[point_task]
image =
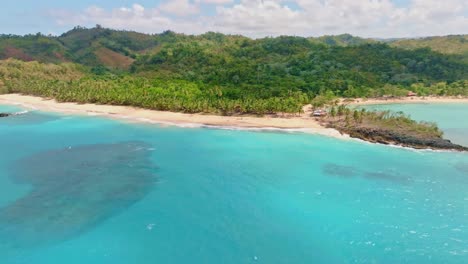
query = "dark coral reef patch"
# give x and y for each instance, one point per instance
(73, 190)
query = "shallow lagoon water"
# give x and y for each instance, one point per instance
(71, 192)
(452, 118)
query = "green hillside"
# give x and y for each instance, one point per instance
(453, 45)
(91, 47)
(343, 40)
(32, 47)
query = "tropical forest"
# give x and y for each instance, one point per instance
(227, 74)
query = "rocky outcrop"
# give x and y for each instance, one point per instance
(387, 137)
(4, 115)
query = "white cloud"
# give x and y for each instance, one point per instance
(432, 17)
(215, 2)
(180, 7)
(135, 18)
(257, 18)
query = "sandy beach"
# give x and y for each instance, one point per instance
(406, 100)
(301, 122)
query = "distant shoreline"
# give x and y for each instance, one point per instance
(302, 123)
(406, 100)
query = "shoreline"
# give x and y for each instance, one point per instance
(406, 100)
(302, 123)
(299, 123)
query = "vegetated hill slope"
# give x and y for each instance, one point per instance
(453, 45)
(91, 47)
(32, 47)
(100, 46)
(343, 64)
(343, 40)
(85, 46)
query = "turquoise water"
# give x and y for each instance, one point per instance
(91, 190)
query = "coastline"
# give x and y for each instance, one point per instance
(302, 123)
(406, 100)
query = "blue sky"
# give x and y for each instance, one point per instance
(255, 18)
(31, 16)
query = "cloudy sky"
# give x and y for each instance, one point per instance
(254, 18)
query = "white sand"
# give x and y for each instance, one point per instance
(301, 122)
(408, 100)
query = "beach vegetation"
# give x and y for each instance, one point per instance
(351, 119)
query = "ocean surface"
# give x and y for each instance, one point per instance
(93, 190)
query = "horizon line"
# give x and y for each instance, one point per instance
(226, 34)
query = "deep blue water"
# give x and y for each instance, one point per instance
(92, 190)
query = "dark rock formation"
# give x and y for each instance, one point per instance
(384, 136)
(4, 115)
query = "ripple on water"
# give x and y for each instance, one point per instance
(385, 175)
(337, 170)
(462, 167)
(27, 118)
(332, 169)
(73, 190)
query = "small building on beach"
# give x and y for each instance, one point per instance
(319, 112)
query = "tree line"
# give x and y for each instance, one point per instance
(74, 83)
